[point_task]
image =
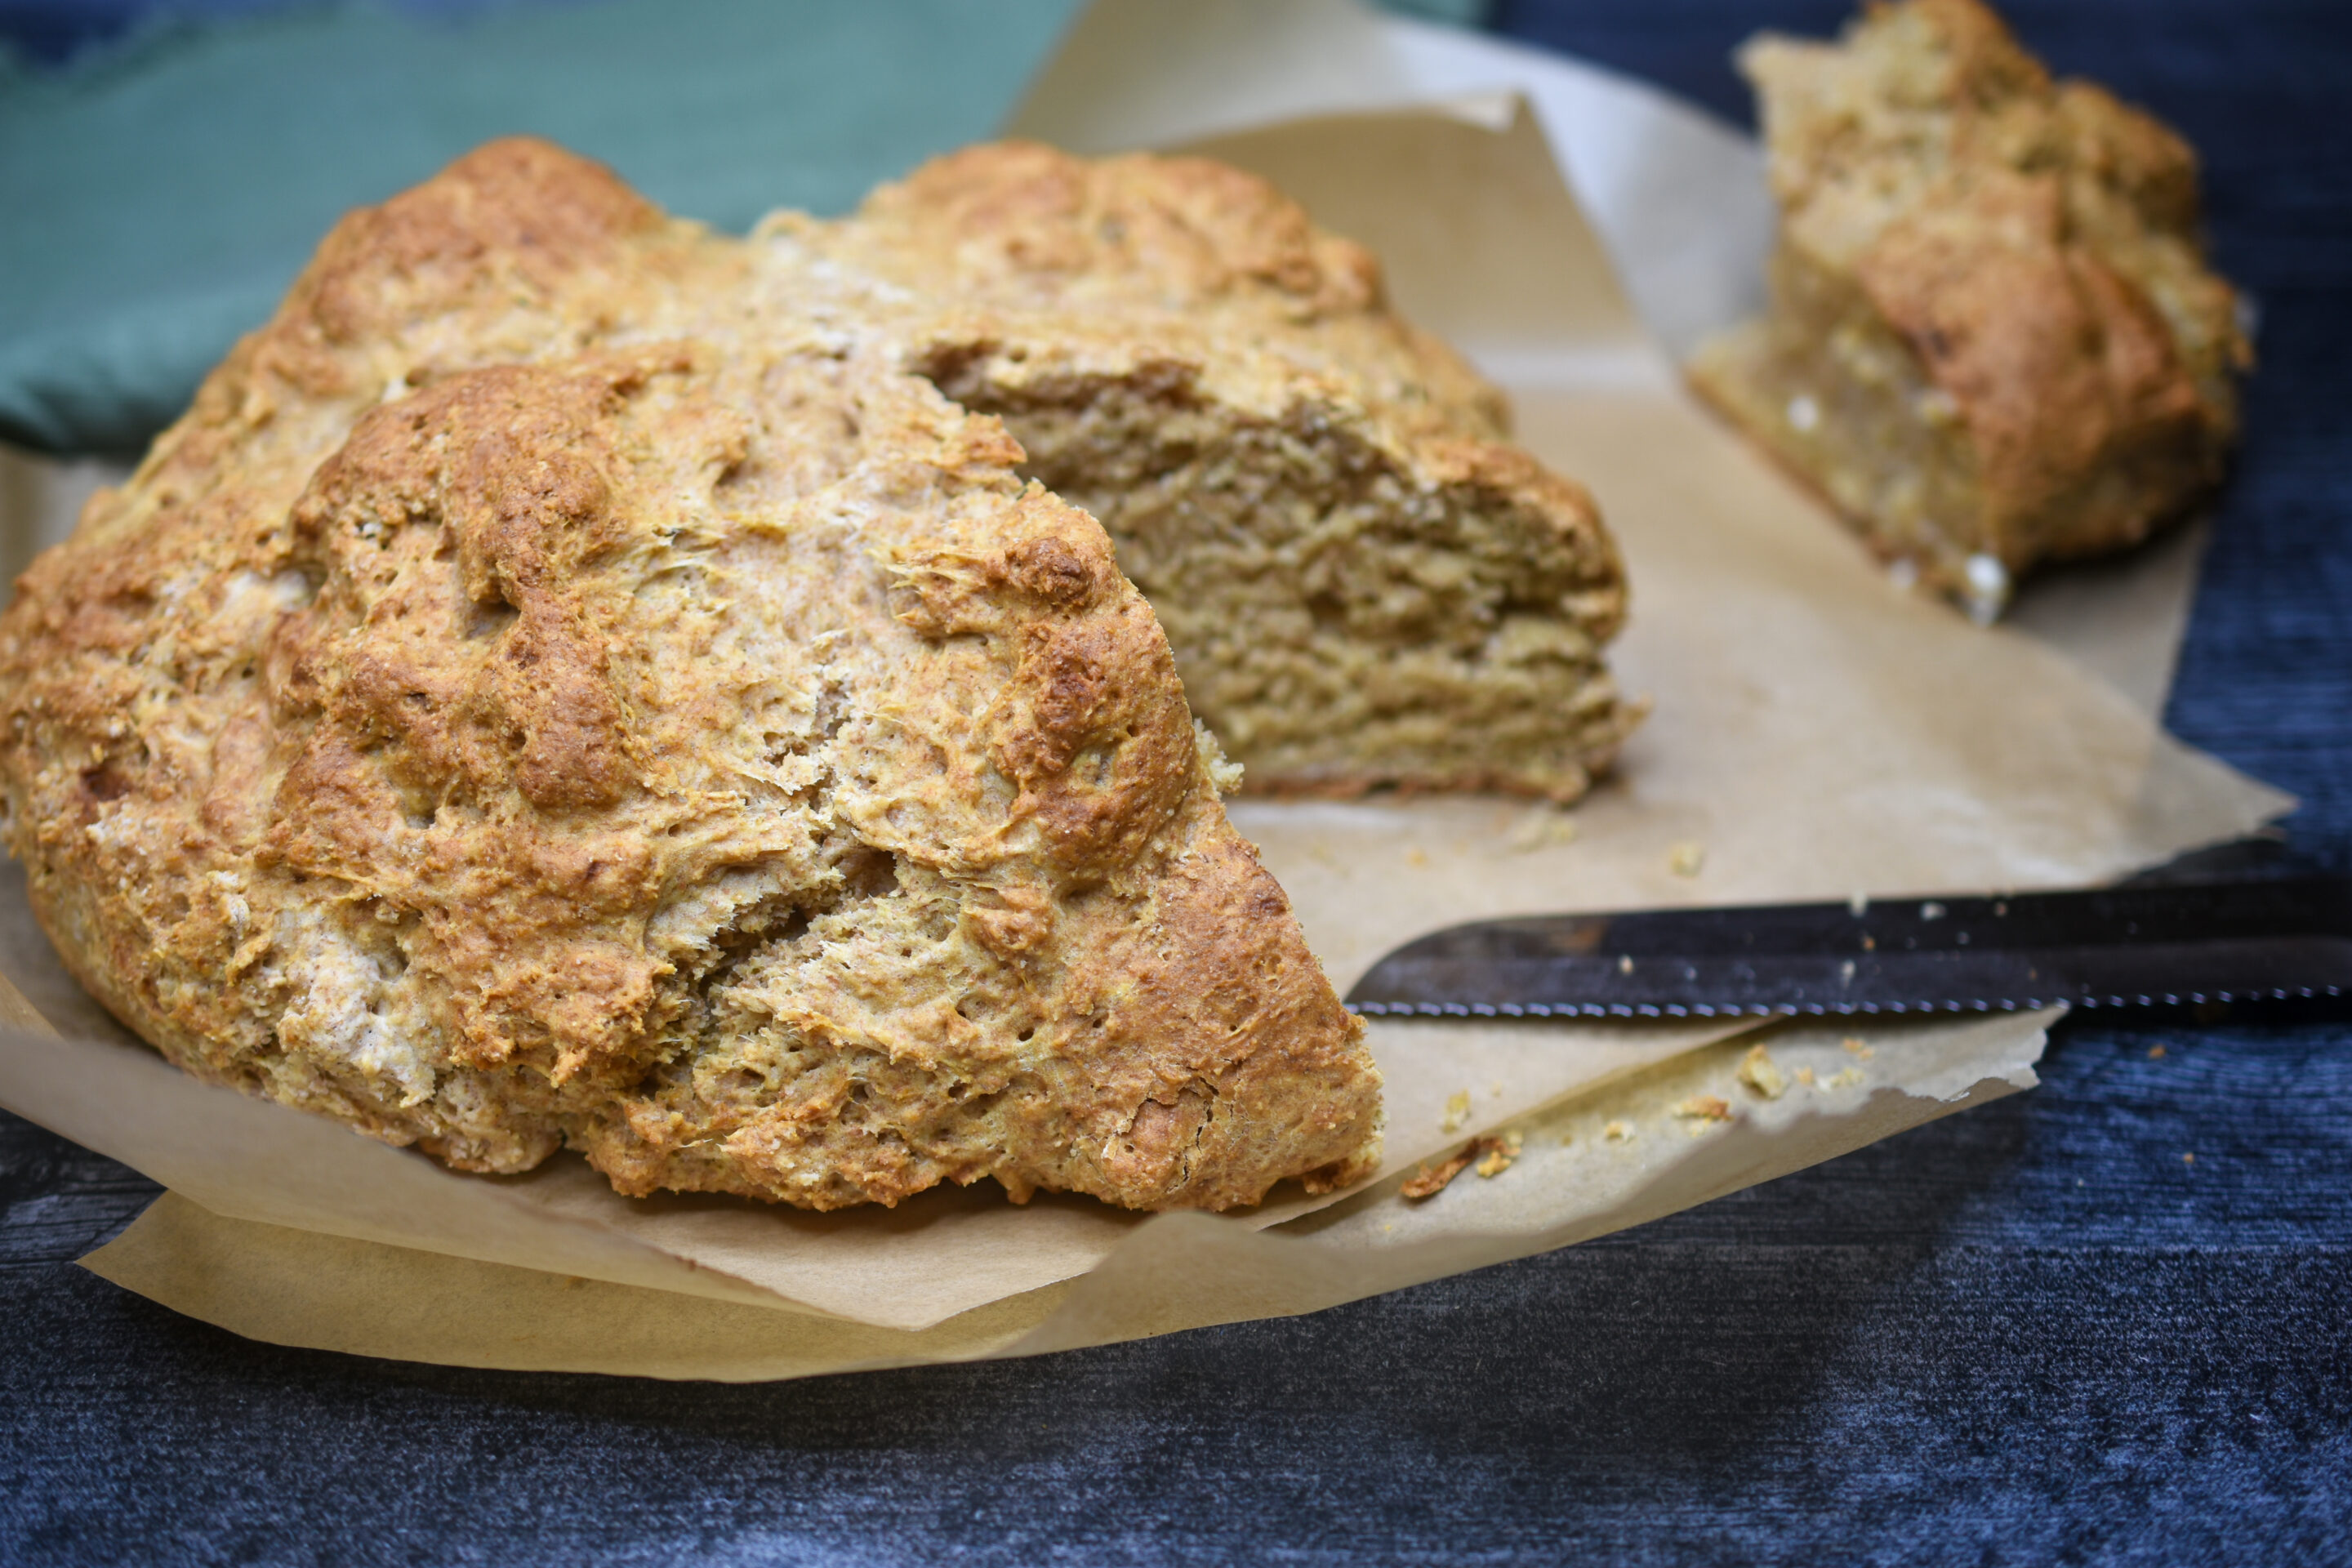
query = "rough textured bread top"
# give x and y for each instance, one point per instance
(1993, 277)
(561, 685)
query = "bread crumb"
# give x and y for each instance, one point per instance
(1759, 1072)
(1224, 775)
(1840, 1080)
(1430, 1180)
(2188, 1159)
(1493, 1156)
(1857, 1047)
(1617, 1132)
(1542, 827)
(1416, 856)
(1498, 1153)
(1805, 1077)
(2156, 1053)
(1685, 858)
(1702, 1111)
(1457, 1111)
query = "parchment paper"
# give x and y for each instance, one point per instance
(1817, 734)
(1628, 1154)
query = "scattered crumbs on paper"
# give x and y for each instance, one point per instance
(1457, 1111)
(1430, 1180)
(1685, 858)
(1497, 1155)
(1493, 1156)
(1856, 1047)
(1759, 1072)
(1541, 827)
(1840, 1080)
(1495, 1090)
(1617, 1132)
(1702, 1111)
(2156, 1053)
(1565, 1138)
(2188, 1159)
(1321, 852)
(1416, 856)
(1389, 1225)
(1805, 1077)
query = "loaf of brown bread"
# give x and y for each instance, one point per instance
(1993, 338)
(567, 681)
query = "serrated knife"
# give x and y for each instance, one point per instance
(2271, 939)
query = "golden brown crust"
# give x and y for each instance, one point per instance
(2058, 362)
(1014, 218)
(532, 700)
(2017, 257)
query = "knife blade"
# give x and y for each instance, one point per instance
(2269, 939)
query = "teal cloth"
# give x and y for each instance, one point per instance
(156, 200)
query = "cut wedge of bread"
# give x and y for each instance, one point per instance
(1993, 338)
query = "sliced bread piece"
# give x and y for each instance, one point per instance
(1993, 338)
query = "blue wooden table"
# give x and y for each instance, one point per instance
(2036, 1332)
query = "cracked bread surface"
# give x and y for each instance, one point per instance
(548, 692)
(1993, 338)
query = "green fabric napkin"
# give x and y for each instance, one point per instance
(155, 202)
